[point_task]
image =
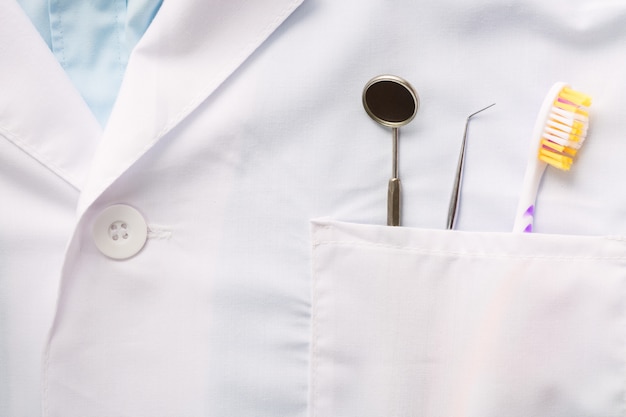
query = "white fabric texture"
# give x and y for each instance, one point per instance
(425, 322)
(236, 123)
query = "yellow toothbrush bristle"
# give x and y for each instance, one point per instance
(575, 97)
(556, 147)
(565, 129)
(556, 159)
(562, 165)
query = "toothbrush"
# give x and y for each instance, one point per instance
(559, 132)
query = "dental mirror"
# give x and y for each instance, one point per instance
(391, 101)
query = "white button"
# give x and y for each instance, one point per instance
(120, 231)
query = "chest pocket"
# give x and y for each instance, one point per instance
(410, 322)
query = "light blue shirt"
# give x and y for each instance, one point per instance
(93, 40)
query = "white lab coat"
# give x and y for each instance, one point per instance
(237, 124)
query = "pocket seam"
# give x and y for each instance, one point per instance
(426, 251)
(314, 393)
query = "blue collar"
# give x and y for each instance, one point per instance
(92, 40)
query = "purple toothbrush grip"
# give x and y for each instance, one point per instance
(530, 212)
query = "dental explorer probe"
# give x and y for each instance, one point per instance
(456, 189)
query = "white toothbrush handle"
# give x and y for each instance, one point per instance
(526, 207)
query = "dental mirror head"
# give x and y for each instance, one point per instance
(390, 100)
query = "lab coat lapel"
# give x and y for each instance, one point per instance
(40, 110)
(191, 47)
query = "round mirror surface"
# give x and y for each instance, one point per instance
(390, 100)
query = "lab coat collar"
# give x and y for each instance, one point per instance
(191, 47)
(40, 110)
